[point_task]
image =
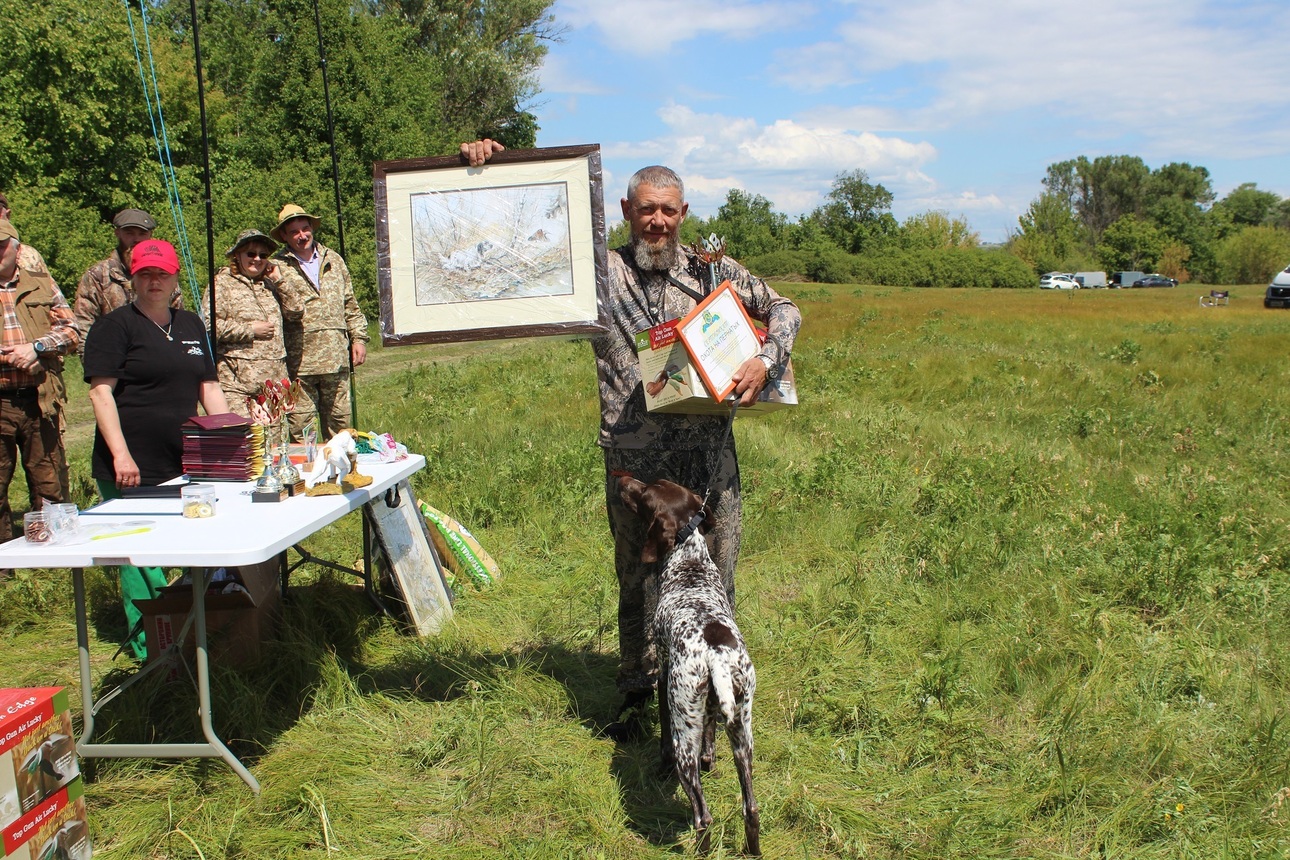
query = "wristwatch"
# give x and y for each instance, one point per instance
(39, 346)
(772, 371)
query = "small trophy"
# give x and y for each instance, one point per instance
(710, 251)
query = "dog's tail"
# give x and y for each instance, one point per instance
(723, 683)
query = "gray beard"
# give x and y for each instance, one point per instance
(651, 258)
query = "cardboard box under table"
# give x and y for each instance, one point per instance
(238, 620)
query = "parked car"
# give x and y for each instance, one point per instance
(1155, 281)
(1278, 294)
(1058, 281)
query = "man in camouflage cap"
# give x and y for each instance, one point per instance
(332, 332)
(106, 285)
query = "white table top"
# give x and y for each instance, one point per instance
(240, 533)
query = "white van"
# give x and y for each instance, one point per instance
(1278, 294)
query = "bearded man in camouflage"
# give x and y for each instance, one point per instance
(692, 450)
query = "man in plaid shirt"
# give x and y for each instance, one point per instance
(36, 334)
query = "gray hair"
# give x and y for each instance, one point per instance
(655, 176)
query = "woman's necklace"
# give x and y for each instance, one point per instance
(168, 327)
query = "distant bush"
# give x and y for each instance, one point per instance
(940, 267)
(778, 264)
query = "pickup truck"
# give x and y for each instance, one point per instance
(1278, 294)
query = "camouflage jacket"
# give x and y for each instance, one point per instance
(104, 288)
(639, 300)
(29, 258)
(318, 342)
(239, 302)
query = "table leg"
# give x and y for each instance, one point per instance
(83, 647)
(213, 748)
(204, 687)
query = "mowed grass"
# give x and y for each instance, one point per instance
(1014, 578)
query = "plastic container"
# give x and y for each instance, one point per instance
(198, 501)
(35, 527)
(64, 522)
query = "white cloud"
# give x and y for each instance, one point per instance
(790, 163)
(558, 76)
(1187, 75)
(651, 27)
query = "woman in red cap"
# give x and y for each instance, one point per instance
(148, 366)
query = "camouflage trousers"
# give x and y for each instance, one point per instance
(637, 581)
(327, 401)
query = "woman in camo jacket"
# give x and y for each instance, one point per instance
(249, 310)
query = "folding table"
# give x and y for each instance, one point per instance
(240, 533)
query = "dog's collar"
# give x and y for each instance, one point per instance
(689, 528)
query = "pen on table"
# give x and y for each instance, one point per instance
(121, 533)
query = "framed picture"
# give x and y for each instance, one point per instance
(515, 248)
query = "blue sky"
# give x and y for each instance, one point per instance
(953, 105)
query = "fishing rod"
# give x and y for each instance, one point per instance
(206, 168)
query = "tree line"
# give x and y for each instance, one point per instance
(1117, 214)
(408, 78)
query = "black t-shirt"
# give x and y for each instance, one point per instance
(157, 389)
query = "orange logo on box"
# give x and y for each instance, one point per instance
(663, 335)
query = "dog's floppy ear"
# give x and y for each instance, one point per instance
(630, 491)
(659, 538)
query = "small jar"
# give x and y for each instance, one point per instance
(35, 527)
(198, 501)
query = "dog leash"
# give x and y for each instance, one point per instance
(683, 534)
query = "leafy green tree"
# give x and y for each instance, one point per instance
(1048, 234)
(857, 216)
(1253, 255)
(935, 229)
(749, 224)
(1130, 244)
(1248, 206)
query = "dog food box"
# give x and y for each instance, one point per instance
(37, 749)
(672, 384)
(56, 827)
(241, 611)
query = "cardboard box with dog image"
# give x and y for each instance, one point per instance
(37, 748)
(57, 827)
(675, 382)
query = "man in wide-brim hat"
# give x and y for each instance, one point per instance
(332, 331)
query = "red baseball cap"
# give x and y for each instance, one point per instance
(154, 254)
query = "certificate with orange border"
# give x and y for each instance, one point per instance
(719, 336)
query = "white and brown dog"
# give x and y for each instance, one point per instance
(335, 460)
(705, 673)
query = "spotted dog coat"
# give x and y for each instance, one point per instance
(705, 672)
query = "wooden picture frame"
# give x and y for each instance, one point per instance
(515, 248)
(719, 336)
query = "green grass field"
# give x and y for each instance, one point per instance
(1014, 578)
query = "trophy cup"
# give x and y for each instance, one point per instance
(710, 251)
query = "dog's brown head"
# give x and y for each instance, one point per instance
(666, 507)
